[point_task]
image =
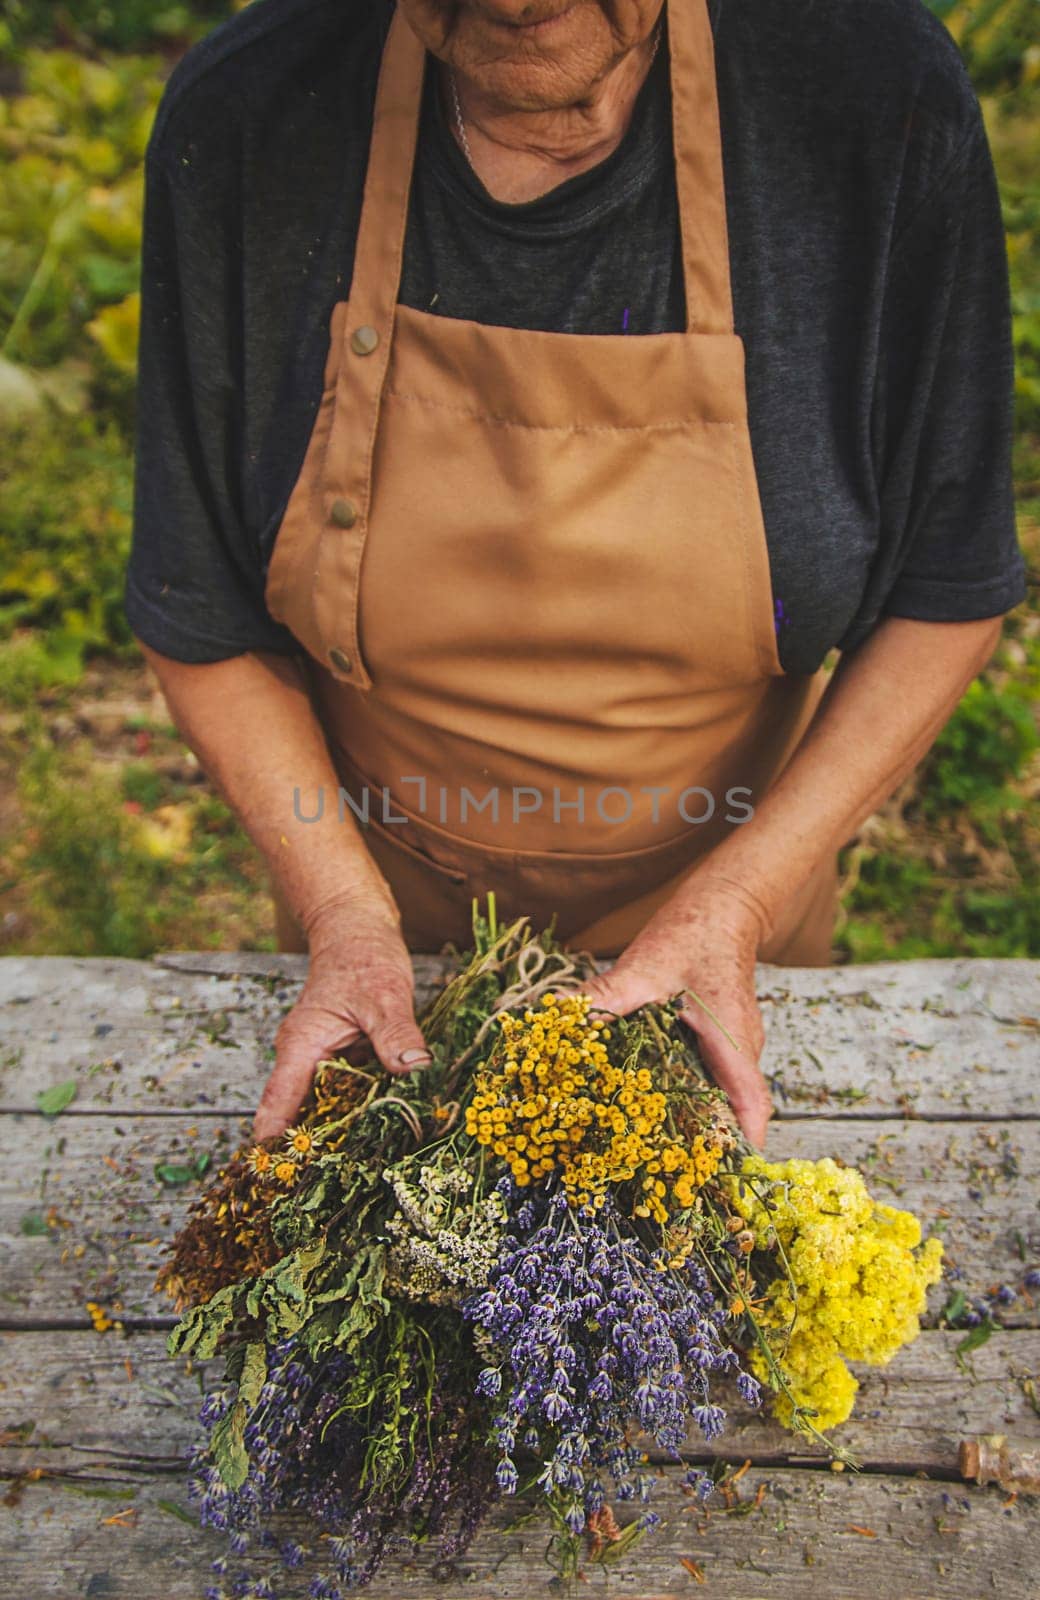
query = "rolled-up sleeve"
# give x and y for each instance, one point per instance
(945, 447)
(194, 584)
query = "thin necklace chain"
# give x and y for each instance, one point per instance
(458, 109)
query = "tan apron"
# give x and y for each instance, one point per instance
(533, 565)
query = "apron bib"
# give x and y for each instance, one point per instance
(530, 574)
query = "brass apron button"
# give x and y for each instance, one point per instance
(340, 660)
(364, 340)
(343, 513)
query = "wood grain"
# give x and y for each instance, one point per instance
(93, 1177)
(938, 1039)
(102, 1403)
(814, 1533)
(922, 1073)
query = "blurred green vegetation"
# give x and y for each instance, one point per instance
(997, 39)
(121, 858)
(110, 845)
(66, 524)
(115, 24)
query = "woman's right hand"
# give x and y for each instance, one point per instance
(360, 984)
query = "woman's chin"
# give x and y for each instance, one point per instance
(525, 82)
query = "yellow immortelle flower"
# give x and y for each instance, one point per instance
(260, 1160)
(299, 1142)
(285, 1171)
(558, 1103)
(859, 1270)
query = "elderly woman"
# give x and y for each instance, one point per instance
(531, 396)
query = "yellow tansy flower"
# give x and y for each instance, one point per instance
(598, 1127)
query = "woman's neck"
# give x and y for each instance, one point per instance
(519, 155)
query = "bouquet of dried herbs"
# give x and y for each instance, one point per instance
(518, 1269)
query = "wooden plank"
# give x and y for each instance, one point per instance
(92, 1178)
(816, 1533)
(429, 969)
(133, 1035)
(976, 1181)
(100, 1404)
(136, 1036)
(940, 1039)
(236, 963)
(937, 1039)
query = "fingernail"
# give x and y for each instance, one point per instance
(409, 1058)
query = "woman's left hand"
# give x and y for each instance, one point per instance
(704, 945)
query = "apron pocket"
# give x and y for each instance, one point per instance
(390, 834)
(576, 887)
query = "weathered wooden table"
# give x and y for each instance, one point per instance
(922, 1073)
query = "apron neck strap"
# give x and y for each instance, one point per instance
(697, 144)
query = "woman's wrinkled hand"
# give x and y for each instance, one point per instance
(360, 984)
(704, 946)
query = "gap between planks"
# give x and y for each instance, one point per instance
(89, 1396)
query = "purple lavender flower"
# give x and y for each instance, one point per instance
(292, 1553)
(590, 1336)
(700, 1482)
(749, 1388)
(307, 1452)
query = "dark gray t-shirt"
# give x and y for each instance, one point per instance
(869, 276)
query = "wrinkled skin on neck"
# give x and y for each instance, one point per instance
(557, 97)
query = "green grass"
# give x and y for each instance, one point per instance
(117, 859)
(92, 891)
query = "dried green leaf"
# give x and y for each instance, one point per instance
(172, 1509)
(199, 1331)
(227, 1442)
(955, 1307)
(18, 1432)
(173, 1176)
(289, 1277)
(97, 1491)
(227, 1446)
(978, 1336)
(54, 1100)
(254, 1373)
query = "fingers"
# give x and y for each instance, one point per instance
(386, 1016)
(620, 991)
(397, 1039)
(313, 1031)
(623, 990)
(736, 1072)
(306, 1037)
